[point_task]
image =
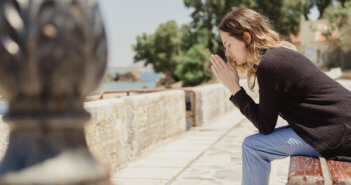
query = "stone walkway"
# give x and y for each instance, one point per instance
(206, 155)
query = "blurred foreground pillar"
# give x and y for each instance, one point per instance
(52, 54)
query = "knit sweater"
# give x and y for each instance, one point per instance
(315, 106)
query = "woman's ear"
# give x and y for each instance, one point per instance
(247, 37)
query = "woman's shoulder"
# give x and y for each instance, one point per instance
(280, 63)
(279, 53)
(277, 58)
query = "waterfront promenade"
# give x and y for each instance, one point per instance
(207, 155)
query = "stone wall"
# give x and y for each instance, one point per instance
(212, 101)
(4, 137)
(122, 130)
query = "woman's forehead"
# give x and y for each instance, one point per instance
(226, 39)
(225, 35)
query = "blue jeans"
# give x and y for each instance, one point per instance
(259, 150)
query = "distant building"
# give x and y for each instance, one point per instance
(134, 72)
(139, 66)
(310, 40)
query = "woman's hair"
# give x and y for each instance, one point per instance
(263, 37)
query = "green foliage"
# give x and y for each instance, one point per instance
(308, 4)
(285, 14)
(339, 21)
(162, 49)
(338, 17)
(321, 6)
(285, 17)
(194, 68)
(183, 52)
(177, 52)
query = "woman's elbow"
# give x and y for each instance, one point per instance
(265, 127)
(266, 132)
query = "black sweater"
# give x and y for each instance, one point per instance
(316, 107)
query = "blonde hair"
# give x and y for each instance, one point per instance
(263, 37)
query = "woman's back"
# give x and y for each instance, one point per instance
(317, 107)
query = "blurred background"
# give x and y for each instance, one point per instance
(161, 42)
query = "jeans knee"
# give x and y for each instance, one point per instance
(249, 142)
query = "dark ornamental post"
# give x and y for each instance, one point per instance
(52, 54)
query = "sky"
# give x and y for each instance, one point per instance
(126, 19)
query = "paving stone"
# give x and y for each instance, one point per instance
(168, 162)
(147, 173)
(184, 148)
(221, 159)
(121, 181)
(228, 174)
(197, 182)
(197, 172)
(174, 154)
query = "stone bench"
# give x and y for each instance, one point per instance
(305, 170)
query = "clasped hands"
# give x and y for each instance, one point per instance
(225, 73)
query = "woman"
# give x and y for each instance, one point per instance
(317, 108)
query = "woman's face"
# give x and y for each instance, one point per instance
(234, 48)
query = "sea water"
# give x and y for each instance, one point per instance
(147, 81)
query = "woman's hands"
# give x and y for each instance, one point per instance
(225, 73)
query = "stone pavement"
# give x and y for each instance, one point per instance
(206, 155)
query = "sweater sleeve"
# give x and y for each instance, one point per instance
(265, 114)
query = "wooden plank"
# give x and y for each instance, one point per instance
(340, 172)
(305, 170)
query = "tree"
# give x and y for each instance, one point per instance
(283, 13)
(177, 52)
(321, 6)
(207, 14)
(183, 52)
(339, 21)
(308, 5)
(162, 49)
(343, 2)
(195, 66)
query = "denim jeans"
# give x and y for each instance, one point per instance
(259, 150)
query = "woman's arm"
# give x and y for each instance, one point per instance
(265, 114)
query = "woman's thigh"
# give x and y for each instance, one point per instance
(281, 143)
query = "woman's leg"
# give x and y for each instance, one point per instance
(259, 150)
